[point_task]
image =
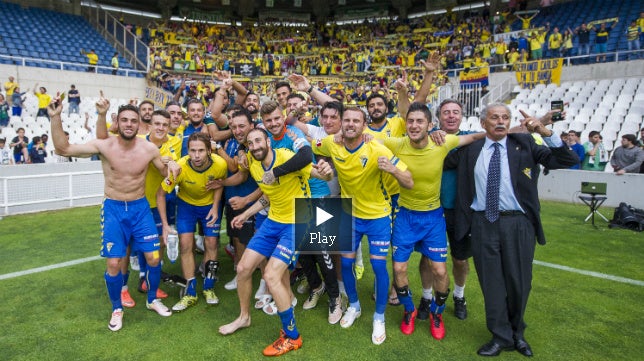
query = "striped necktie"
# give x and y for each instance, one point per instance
(493, 186)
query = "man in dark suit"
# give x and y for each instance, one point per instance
(498, 203)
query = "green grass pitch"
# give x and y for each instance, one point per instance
(62, 314)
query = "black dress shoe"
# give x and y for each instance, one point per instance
(523, 347)
(493, 349)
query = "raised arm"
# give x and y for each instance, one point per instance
(241, 92)
(217, 106)
(177, 94)
(402, 87)
(558, 155)
(102, 106)
(432, 65)
(302, 84)
(61, 144)
(86, 125)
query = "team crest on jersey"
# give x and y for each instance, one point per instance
(528, 172)
(318, 142)
(388, 133)
(363, 160)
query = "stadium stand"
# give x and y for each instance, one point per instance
(611, 106)
(46, 38)
(573, 13)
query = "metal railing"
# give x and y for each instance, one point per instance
(497, 93)
(125, 42)
(611, 57)
(40, 192)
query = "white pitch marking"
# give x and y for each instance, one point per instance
(48, 268)
(57, 265)
(590, 273)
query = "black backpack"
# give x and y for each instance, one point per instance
(628, 217)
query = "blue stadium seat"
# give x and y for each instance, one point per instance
(30, 37)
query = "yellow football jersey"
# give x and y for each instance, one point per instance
(192, 183)
(285, 189)
(175, 143)
(393, 127)
(179, 132)
(359, 175)
(426, 166)
(153, 178)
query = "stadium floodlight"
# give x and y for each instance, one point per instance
(472, 6)
(121, 10)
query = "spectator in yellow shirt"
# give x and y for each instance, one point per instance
(513, 57)
(525, 21)
(535, 46)
(9, 88)
(567, 43)
(500, 49)
(92, 59)
(43, 101)
(555, 41)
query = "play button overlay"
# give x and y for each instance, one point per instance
(321, 216)
(323, 225)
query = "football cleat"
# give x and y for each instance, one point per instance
(349, 317)
(408, 322)
(211, 297)
(303, 287)
(460, 308)
(185, 302)
(283, 345)
(335, 310)
(116, 322)
(232, 285)
(378, 335)
(436, 326)
(423, 308)
(159, 308)
(313, 298)
(126, 299)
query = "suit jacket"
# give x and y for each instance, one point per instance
(524, 155)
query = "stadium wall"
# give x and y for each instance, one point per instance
(565, 186)
(88, 84)
(41, 187)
